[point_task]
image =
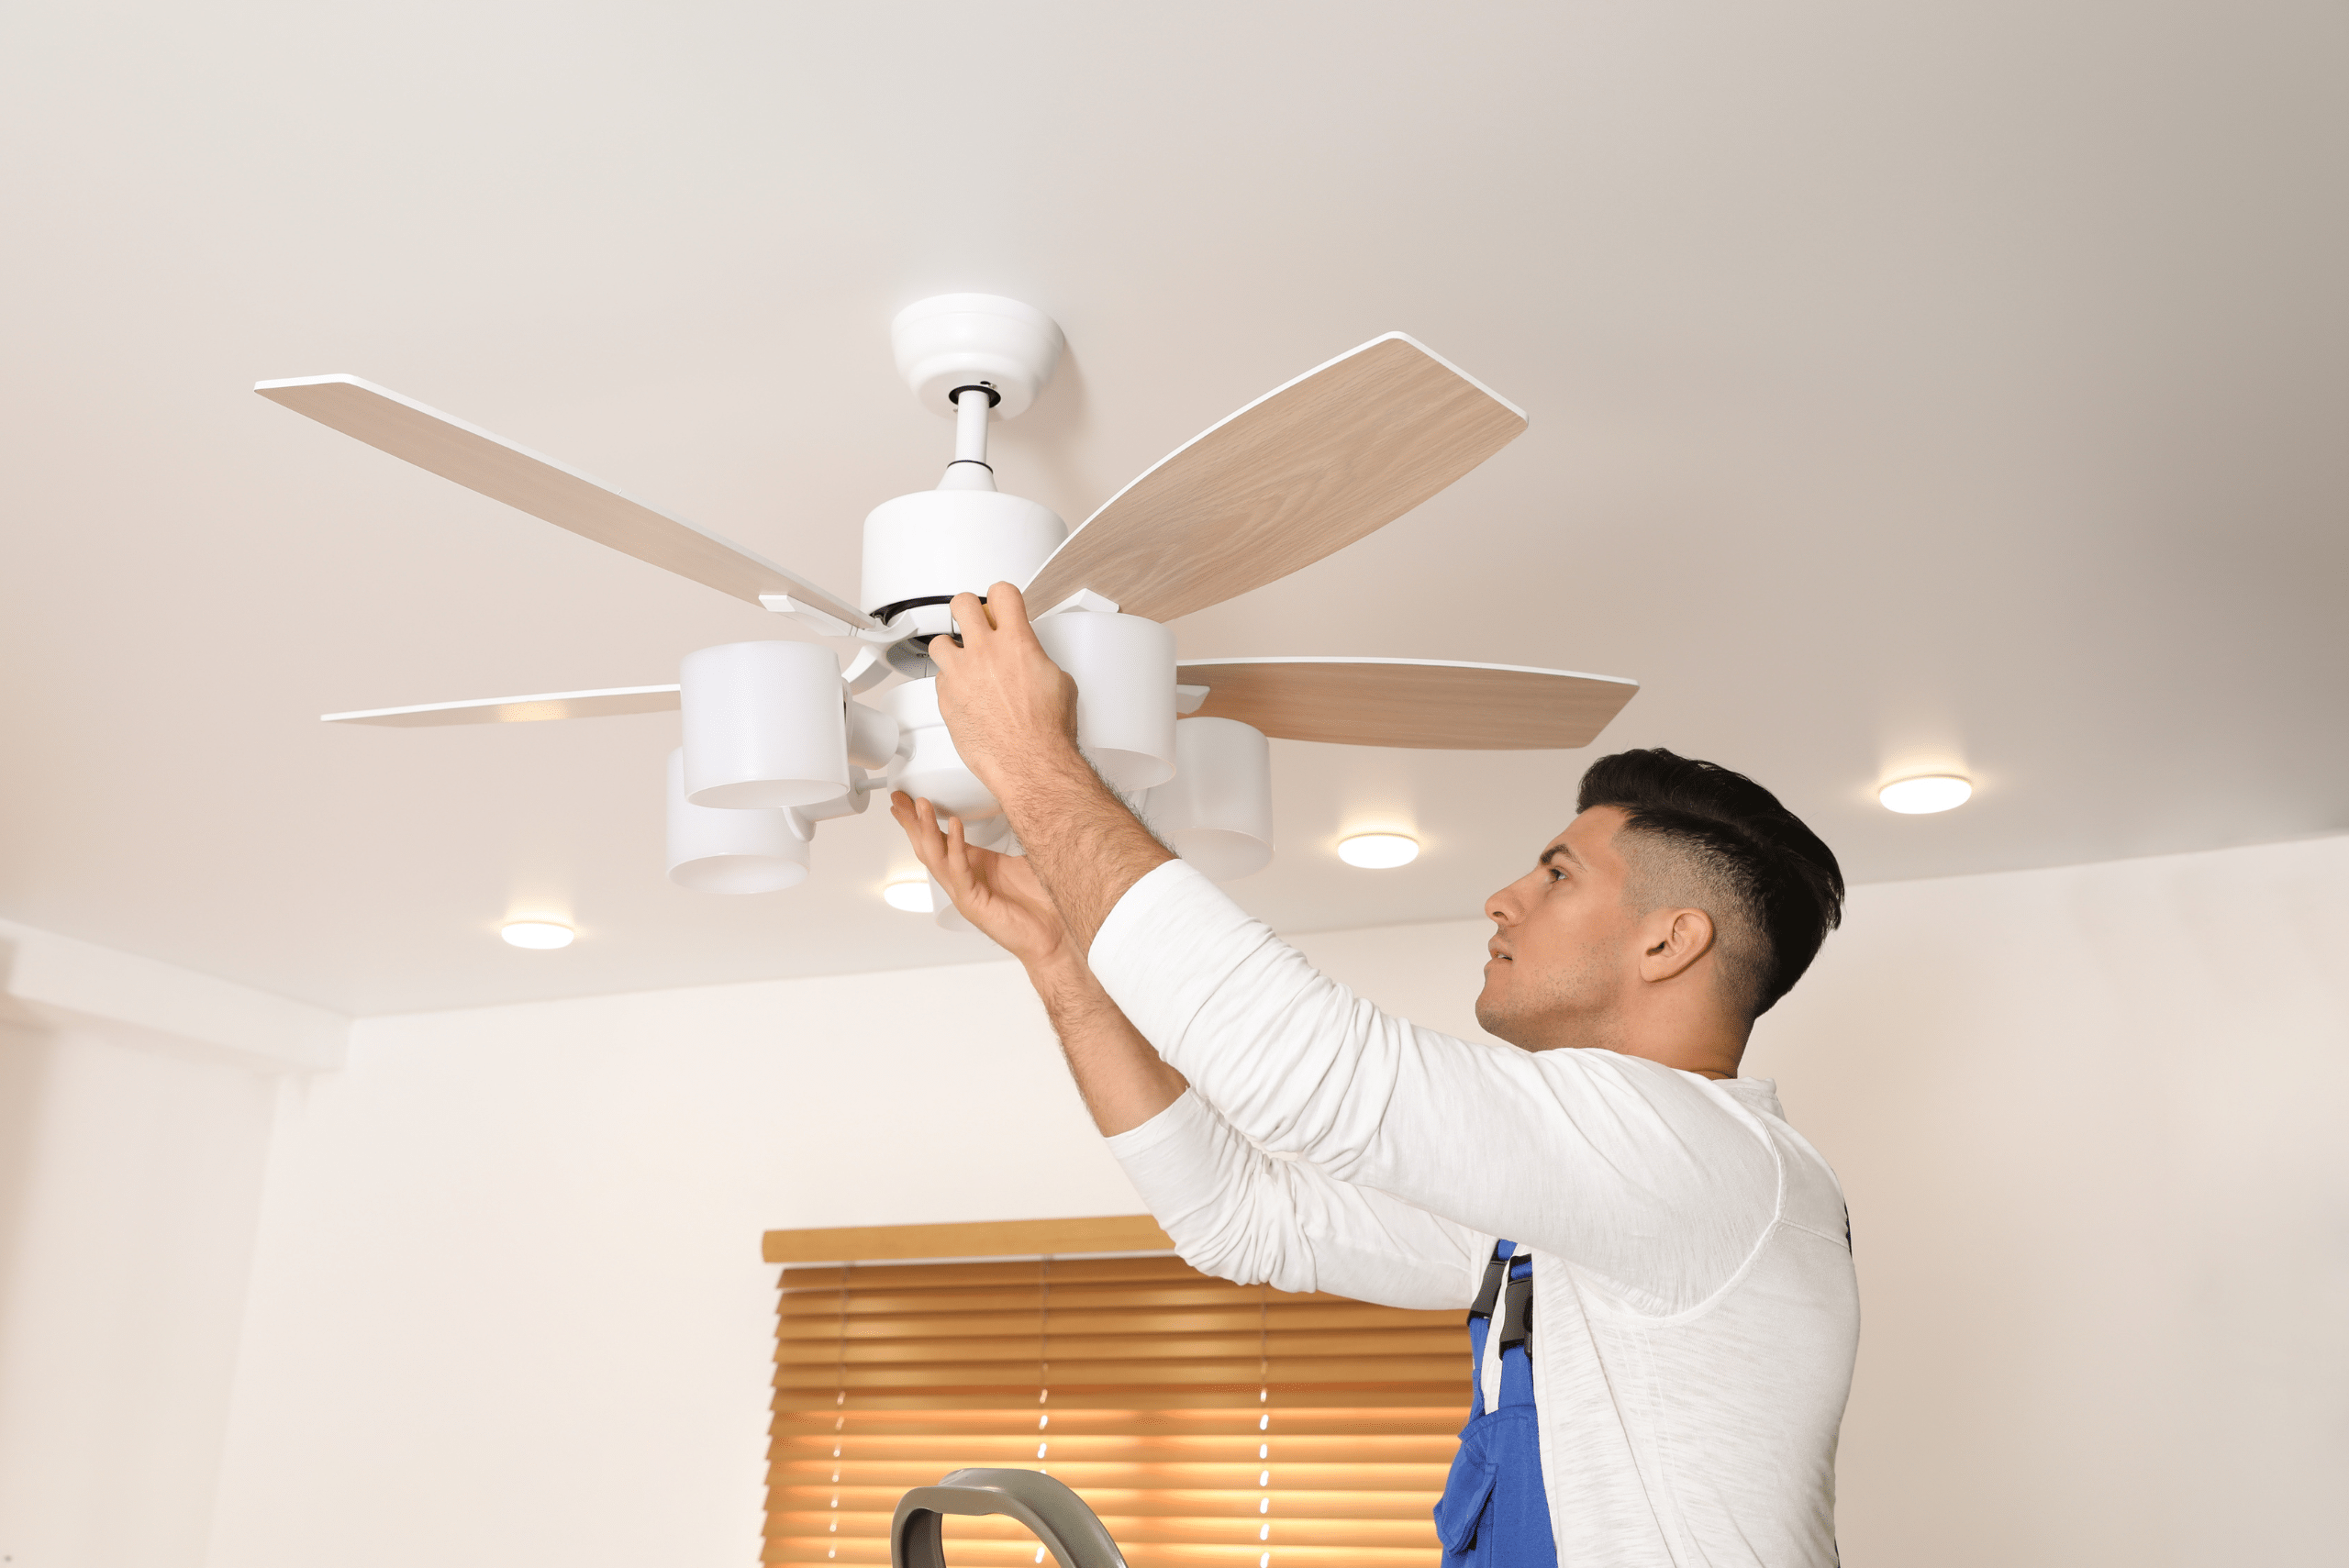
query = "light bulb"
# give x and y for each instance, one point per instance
(536, 934)
(913, 897)
(1915, 797)
(1378, 851)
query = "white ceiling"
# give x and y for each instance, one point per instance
(1912, 386)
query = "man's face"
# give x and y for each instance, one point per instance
(1564, 946)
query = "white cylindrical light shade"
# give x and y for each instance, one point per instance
(1217, 811)
(1124, 670)
(1378, 851)
(927, 765)
(1917, 797)
(763, 725)
(713, 849)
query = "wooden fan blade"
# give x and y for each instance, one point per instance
(1421, 703)
(520, 710)
(1305, 470)
(544, 488)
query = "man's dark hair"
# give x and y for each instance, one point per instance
(1726, 839)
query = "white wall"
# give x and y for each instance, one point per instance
(509, 1305)
(136, 1103)
(2090, 1124)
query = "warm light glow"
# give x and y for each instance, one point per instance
(536, 934)
(913, 897)
(1378, 851)
(1914, 797)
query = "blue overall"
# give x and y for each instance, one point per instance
(1495, 1512)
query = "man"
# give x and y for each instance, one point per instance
(1659, 1267)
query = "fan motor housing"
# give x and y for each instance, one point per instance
(934, 544)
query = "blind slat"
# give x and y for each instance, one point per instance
(1232, 1370)
(1163, 1443)
(1131, 1528)
(877, 1405)
(1229, 1318)
(1236, 1473)
(1013, 1553)
(1237, 1505)
(939, 1343)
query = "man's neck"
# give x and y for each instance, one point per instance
(1709, 1052)
(1678, 1061)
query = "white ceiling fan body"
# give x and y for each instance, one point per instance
(777, 737)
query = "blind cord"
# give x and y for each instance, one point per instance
(1044, 1362)
(1265, 1417)
(839, 1418)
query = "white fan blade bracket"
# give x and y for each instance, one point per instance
(1304, 470)
(519, 710)
(1427, 703)
(545, 489)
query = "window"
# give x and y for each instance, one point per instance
(1210, 1424)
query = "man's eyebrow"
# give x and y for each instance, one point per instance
(1556, 850)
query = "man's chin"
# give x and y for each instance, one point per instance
(1491, 1015)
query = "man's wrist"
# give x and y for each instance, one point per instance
(1060, 970)
(1047, 765)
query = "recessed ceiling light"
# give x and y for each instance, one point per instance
(536, 934)
(1378, 851)
(913, 897)
(1915, 797)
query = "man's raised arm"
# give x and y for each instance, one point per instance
(1232, 1211)
(1576, 1152)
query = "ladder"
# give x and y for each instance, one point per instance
(1071, 1531)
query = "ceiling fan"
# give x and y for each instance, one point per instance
(775, 739)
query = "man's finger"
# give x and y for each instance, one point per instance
(955, 872)
(970, 614)
(901, 807)
(1008, 608)
(930, 845)
(957, 854)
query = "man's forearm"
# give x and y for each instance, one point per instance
(1086, 846)
(1123, 1081)
(1012, 713)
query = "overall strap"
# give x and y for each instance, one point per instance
(1507, 1290)
(1517, 1314)
(1489, 1293)
(1495, 1511)
(1480, 1324)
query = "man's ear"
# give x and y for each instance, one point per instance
(1671, 940)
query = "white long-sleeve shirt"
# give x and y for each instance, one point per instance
(1695, 1312)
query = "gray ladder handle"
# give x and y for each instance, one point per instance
(1071, 1531)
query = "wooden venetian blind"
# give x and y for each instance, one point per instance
(1210, 1424)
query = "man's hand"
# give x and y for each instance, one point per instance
(1012, 713)
(1122, 1079)
(998, 894)
(1011, 710)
